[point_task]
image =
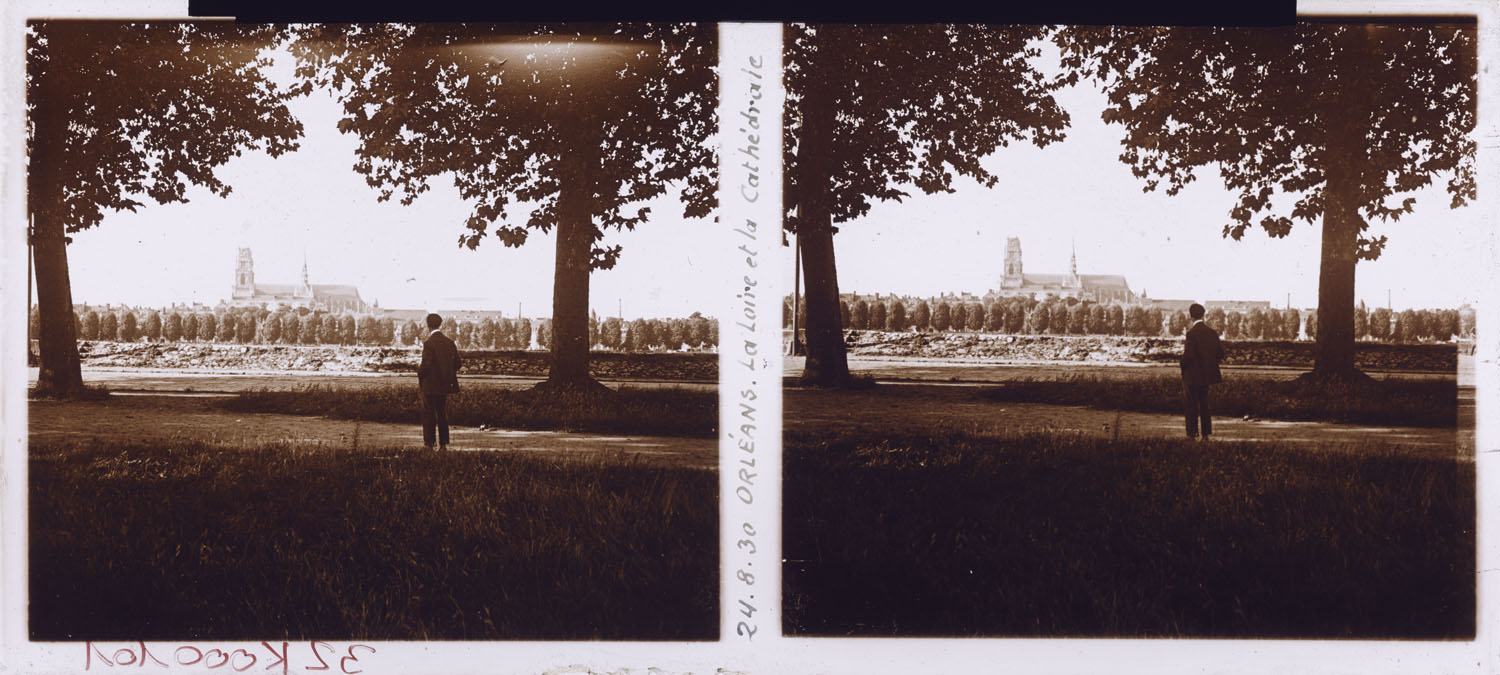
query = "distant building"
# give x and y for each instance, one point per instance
(1240, 306)
(1015, 282)
(324, 297)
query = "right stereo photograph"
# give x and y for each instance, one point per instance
(1138, 332)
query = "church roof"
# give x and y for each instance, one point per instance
(334, 291)
(1045, 279)
(1104, 281)
(276, 289)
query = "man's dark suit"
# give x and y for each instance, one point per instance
(1201, 353)
(437, 377)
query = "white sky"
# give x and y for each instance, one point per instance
(404, 256)
(1170, 247)
(1074, 192)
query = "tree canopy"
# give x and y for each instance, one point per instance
(875, 111)
(1319, 121)
(121, 112)
(580, 125)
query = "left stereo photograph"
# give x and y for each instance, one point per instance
(377, 332)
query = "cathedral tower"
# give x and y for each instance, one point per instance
(244, 276)
(1013, 278)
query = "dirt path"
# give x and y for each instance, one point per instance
(907, 407)
(951, 370)
(164, 417)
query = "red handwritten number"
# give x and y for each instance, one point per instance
(178, 655)
(344, 662)
(318, 657)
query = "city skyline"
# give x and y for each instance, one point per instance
(1077, 193)
(404, 256)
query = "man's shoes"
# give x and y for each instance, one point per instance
(443, 447)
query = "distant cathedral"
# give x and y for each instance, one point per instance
(1096, 287)
(325, 297)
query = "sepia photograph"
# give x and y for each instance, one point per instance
(371, 331)
(1131, 331)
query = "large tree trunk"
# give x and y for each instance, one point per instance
(570, 287)
(57, 343)
(1344, 171)
(61, 374)
(1334, 353)
(827, 362)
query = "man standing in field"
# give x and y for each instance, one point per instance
(1201, 353)
(437, 377)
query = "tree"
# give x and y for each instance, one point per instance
(208, 328)
(1077, 317)
(1361, 322)
(802, 313)
(90, 326)
(409, 334)
(1039, 319)
(639, 337)
(271, 328)
(1135, 320)
(1155, 322)
(569, 120)
(1093, 323)
(109, 327)
(244, 328)
(942, 317)
(1214, 318)
(1272, 326)
(1057, 318)
(1254, 325)
(1234, 326)
(486, 334)
(312, 329)
(958, 316)
(974, 315)
(786, 314)
(118, 112)
(611, 332)
(921, 318)
(1466, 321)
(859, 315)
(856, 134)
(1380, 323)
(1015, 317)
(1177, 323)
(151, 327)
(1114, 320)
(895, 319)
(994, 317)
(523, 335)
(129, 329)
(1311, 325)
(1291, 324)
(1340, 119)
(877, 315)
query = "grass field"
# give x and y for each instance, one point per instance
(949, 533)
(1418, 403)
(656, 411)
(132, 541)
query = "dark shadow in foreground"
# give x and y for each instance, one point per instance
(131, 541)
(1051, 535)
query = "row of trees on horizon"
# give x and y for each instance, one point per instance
(1070, 316)
(1232, 102)
(260, 326)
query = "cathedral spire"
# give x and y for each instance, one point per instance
(1073, 262)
